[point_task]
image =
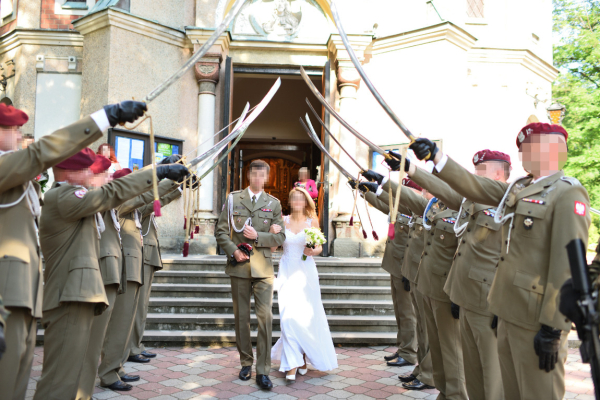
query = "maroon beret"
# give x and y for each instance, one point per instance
(84, 159)
(10, 116)
(100, 165)
(409, 183)
(121, 173)
(540, 128)
(489, 155)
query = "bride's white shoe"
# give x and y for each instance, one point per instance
(291, 377)
(302, 371)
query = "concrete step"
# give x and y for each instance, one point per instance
(186, 305)
(213, 322)
(224, 291)
(325, 278)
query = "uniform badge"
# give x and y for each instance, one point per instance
(239, 220)
(528, 223)
(475, 158)
(266, 210)
(521, 137)
(80, 193)
(580, 208)
(266, 222)
(534, 201)
(442, 237)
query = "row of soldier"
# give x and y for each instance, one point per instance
(100, 247)
(477, 266)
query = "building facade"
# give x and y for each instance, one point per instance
(468, 73)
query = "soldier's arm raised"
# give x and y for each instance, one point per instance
(408, 198)
(164, 187)
(267, 239)
(376, 202)
(438, 188)
(222, 231)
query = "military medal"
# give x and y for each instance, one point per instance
(239, 220)
(534, 201)
(266, 222)
(528, 223)
(442, 237)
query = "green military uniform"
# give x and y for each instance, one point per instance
(468, 285)
(152, 263)
(392, 263)
(543, 217)
(443, 330)
(20, 262)
(254, 276)
(70, 231)
(115, 348)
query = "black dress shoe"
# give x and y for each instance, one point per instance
(119, 386)
(416, 385)
(400, 362)
(138, 359)
(246, 372)
(130, 378)
(264, 382)
(147, 354)
(391, 357)
(408, 377)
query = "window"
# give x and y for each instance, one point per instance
(475, 8)
(133, 148)
(75, 5)
(6, 8)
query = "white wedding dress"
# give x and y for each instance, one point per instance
(304, 328)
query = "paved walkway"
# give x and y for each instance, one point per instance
(212, 373)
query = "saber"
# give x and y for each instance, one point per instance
(364, 76)
(333, 137)
(595, 211)
(346, 125)
(311, 133)
(235, 10)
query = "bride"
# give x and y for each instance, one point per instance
(305, 336)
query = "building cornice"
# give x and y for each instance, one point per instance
(523, 57)
(199, 36)
(132, 23)
(41, 37)
(445, 31)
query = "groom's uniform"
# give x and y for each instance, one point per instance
(260, 210)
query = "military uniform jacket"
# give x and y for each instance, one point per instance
(479, 247)
(20, 261)
(394, 249)
(266, 212)
(548, 214)
(70, 239)
(111, 258)
(149, 230)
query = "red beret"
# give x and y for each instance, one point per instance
(84, 159)
(540, 128)
(409, 183)
(10, 116)
(489, 155)
(121, 173)
(100, 165)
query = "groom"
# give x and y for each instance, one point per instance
(246, 218)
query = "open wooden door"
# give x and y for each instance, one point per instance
(324, 178)
(224, 168)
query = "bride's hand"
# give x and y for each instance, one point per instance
(275, 229)
(312, 252)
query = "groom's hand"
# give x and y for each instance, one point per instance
(250, 232)
(240, 256)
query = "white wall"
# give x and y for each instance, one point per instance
(58, 98)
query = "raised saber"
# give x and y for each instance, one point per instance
(311, 133)
(337, 116)
(333, 137)
(595, 211)
(235, 10)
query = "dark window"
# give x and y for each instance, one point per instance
(475, 8)
(133, 148)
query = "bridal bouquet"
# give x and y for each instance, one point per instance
(314, 237)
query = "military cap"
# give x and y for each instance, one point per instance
(121, 173)
(540, 128)
(10, 116)
(100, 165)
(411, 184)
(84, 159)
(490, 155)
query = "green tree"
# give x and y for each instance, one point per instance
(577, 56)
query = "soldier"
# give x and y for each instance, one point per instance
(246, 217)
(544, 210)
(21, 265)
(406, 354)
(473, 271)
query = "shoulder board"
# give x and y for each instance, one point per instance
(273, 197)
(236, 191)
(571, 180)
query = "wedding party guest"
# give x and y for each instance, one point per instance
(306, 183)
(107, 151)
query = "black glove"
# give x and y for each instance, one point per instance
(368, 187)
(2, 342)
(494, 322)
(455, 310)
(174, 172)
(244, 248)
(195, 182)
(423, 147)
(394, 162)
(352, 183)
(125, 111)
(568, 303)
(406, 284)
(372, 176)
(170, 160)
(546, 344)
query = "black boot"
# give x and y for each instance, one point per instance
(246, 372)
(264, 382)
(391, 357)
(400, 362)
(119, 386)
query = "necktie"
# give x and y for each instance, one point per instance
(254, 200)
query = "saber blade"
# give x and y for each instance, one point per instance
(235, 10)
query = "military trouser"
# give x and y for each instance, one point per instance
(15, 366)
(406, 321)
(137, 334)
(443, 332)
(521, 376)
(115, 349)
(424, 370)
(480, 355)
(66, 338)
(92, 357)
(241, 290)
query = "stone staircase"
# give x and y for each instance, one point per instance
(191, 302)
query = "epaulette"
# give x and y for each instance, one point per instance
(571, 180)
(272, 196)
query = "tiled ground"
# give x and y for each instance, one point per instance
(212, 373)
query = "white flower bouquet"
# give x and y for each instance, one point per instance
(314, 237)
